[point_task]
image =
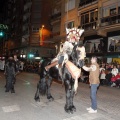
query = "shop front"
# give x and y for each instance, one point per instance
(96, 46)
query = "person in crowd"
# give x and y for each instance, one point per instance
(110, 67)
(118, 80)
(118, 67)
(108, 78)
(17, 68)
(114, 70)
(113, 81)
(21, 66)
(10, 74)
(102, 77)
(102, 67)
(94, 83)
(17, 62)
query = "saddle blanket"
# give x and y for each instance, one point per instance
(75, 71)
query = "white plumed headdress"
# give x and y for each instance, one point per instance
(74, 34)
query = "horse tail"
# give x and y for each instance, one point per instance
(42, 85)
(41, 89)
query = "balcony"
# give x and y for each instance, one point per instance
(26, 22)
(26, 16)
(56, 17)
(85, 3)
(27, 11)
(110, 20)
(25, 32)
(27, 4)
(89, 26)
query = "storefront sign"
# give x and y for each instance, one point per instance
(116, 60)
(2, 26)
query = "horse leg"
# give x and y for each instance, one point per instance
(73, 108)
(68, 95)
(37, 98)
(49, 96)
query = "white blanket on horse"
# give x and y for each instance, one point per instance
(74, 70)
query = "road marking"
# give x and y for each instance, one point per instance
(86, 116)
(12, 108)
(74, 118)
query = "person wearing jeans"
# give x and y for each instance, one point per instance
(94, 83)
(93, 96)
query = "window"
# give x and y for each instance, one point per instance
(89, 19)
(106, 12)
(86, 18)
(82, 19)
(110, 10)
(90, 16)
(69, 24)
(34, 29)
(69, 5)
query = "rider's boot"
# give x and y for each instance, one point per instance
(51, 65)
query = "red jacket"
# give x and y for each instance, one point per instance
(113, 79)
(117, 77)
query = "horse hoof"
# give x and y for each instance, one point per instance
(68, 110)
(37, 99)
(73, 108)
(50, 98)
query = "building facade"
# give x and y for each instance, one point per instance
(99, 18)
(64, 14)
(27, 35)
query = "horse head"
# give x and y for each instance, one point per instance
(78, 54)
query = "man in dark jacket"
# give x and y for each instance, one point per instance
(10, 74)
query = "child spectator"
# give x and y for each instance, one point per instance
(118, 67)
(102, 77)
(114, 70)
(113, 80)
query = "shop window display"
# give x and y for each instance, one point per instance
(114, 44)
(94, 46)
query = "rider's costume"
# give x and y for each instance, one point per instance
(73, 36)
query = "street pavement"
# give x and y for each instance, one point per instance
(21, 105)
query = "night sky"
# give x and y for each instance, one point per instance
(2, 2)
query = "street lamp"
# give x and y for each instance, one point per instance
(41, 35)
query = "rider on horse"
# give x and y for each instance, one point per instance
(73, 36)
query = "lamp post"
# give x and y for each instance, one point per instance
(41, 35)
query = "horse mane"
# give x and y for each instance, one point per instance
(73, 55)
